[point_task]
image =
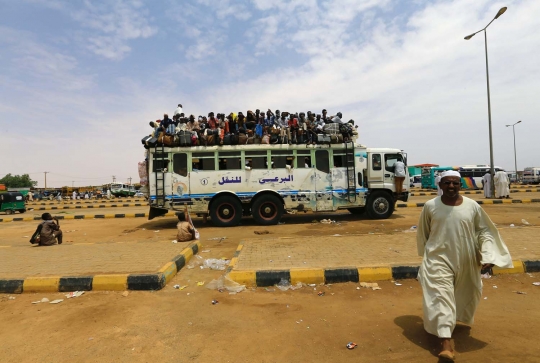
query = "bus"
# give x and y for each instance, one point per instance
(122, 190)
(531, 175)
(471, 175)
(264, 181)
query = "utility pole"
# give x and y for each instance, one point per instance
(114, 178)
(130, 180)
(46, 172)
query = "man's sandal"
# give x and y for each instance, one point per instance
(447, 355)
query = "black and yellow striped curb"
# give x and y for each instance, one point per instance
(490, 201)
(84, 216)
(429, 192)
(108, 282)
(263, 278)
(89, 206)
(53, 202)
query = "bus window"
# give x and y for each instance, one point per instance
(280, 159)
(180, 164)
(160, 162)
(206, 161)
(303, 159)
(339, 159)
(390, 160)
(376, 162)
(230, 160)
(321, 161)
(256, 159)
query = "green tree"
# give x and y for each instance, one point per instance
(18, 181)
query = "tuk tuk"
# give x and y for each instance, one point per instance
(11, 202)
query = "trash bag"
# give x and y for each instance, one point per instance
(215, 264)
(225, 283)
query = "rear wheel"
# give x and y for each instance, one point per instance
(22, 210)
(267, 209)
(380, 205)
(357, 210)
(226, 211)
(9, 211)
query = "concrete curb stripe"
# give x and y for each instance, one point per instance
(307, 276)
(41, 284)
(248, 278)
(532, 266)
(404, 272)
(368, 274)
(112, 282)
(271, 277)
(115, 282)
(335, 275)
(76, 283)
(518, 268)
(11, 286)
(145, 281)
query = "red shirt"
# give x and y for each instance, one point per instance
(293, 122)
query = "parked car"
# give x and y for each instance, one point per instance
(139, 194)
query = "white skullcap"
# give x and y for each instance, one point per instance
(450, 173)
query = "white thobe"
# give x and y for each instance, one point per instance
(486, 181)
(455, 242)
(437, 181)
(501, 184)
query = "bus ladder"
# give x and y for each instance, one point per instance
(351, 171)
(160, 175)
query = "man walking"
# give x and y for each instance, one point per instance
(486, 181)
(456, 239)
(502, 183)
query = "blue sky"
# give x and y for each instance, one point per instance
(79, 80)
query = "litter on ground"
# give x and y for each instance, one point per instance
(56, 301)
(370, 285)
(74, 294)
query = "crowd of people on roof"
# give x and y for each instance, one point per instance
(252, 128)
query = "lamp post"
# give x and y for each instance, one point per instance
(492, 164)
(515, 155)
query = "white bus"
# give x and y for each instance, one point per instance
(531, 175)
(227, 182)
(122, 190)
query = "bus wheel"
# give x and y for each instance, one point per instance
(22, 210)
(357, 211)
(380, 205)
(267, 209)
(9, 211)
(226, 211)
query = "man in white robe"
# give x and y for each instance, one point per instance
(437, 180)
(502, 183)
(486, 182)
(456, 239)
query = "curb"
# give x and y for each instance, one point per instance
(490, 201)
(265, 278)
(84, 216)
(109, 282)
(87, 202)
(89, 206)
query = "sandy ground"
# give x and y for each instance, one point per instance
(259, 325)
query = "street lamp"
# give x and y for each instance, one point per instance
(492, 171)
(515, 157)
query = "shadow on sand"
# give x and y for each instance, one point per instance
(413, 330)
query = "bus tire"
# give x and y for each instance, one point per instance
(380, 205)
(9, 211)
(357, 210)
(267, 209)
(226, 211)
(22, 210)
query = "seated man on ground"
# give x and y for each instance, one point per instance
(47, 231)
(186, 232)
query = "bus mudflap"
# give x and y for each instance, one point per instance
(156, 212)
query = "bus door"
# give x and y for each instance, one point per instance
(339, 179)
(375, 172)
(179, 178)
(389, 176)
(323, 181)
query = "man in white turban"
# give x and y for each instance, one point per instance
(486, 182)
(456, 239)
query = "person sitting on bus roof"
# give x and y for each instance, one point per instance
(269, 120)
(250, 121)
(241, 119)
(337, 118)
(292, 129)
(48, 231)
(324, 115)
(212, 121)
(167, 125)
(178, 111)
